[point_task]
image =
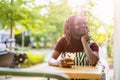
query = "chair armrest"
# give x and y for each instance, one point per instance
(19, 72)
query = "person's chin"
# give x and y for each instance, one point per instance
(82, 34)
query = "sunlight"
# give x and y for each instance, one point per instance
(103, 9)
(77, 5)
(46, 2)
(41, 2)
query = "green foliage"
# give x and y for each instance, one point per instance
(18, 39)
(10, 9)
(34, 58)
(109, 30)
(49, 25)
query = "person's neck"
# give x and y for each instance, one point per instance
(76, 37)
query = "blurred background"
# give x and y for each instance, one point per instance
(34, 26)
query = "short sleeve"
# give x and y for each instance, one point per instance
(94, 47)
(60, 45)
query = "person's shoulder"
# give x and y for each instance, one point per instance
(62, 38)
(92, 43)
(94, 46)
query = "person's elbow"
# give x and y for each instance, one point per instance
(95, 61)
(53, 62)
(49, 62)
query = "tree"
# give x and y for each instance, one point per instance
(10, 14)
(15, 13)
(51, 26)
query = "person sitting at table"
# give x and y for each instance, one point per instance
(75, 46)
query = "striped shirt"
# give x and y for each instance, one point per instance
(75, 49)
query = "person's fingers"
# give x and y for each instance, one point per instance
(70, 63)
(66, 63)
(68, 59)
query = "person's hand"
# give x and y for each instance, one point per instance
(85, 38)
(66, 63)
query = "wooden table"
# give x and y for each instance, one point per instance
(81, 72)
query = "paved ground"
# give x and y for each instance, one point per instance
(48, 52)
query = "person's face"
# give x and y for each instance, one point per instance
(80, 26)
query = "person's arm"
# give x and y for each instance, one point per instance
(56, 53)
(91, 55)
(64, 62)
(53, 59)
